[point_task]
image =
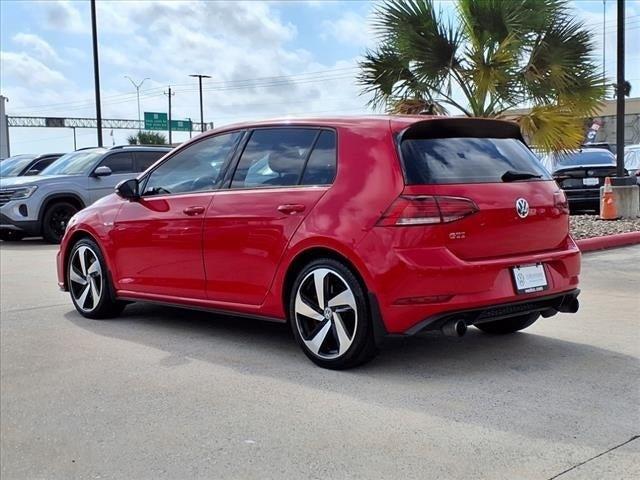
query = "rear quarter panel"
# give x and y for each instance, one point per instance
(368, 179)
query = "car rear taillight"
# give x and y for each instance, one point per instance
(409, 210)
(560, 201)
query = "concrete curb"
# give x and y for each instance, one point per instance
(608, 241)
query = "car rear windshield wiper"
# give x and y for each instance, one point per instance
(515, 175)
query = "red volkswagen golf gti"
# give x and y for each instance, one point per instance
(351, 230)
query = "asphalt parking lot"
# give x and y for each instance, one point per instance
(165, 393)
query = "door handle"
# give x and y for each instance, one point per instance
(291, 208)
(193, 210)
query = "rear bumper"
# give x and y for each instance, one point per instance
(549, 305)
(423, 286)
(583, 195)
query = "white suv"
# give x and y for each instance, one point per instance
(43, 204)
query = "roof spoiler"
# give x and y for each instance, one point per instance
(462, 127)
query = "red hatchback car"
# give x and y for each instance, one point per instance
(350, 229)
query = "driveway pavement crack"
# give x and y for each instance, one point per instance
(635, 437)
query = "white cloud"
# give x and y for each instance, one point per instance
(25, 70)
(350, 28)
(40, 48)
(62, 15)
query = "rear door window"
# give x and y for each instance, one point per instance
(145, 159)
(119, 162)
(273, 158)
(466, 160)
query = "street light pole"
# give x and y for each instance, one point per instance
(137, 87)
(200, 77)
(620, 93)
(604, 42)
(96, 70)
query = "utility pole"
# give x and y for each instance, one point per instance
(4, 130)
(200, 77)
(621, 92)
(96, 70)
(169, 94)
(604, 42)
(137, 87)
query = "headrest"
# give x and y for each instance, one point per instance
(285, 160)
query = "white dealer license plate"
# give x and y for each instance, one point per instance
(590, 181)
(530, 278)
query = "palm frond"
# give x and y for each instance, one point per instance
(552, 128)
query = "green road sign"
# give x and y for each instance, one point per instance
(155, 121)
(181, 125)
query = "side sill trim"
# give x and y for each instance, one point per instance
(216, 311)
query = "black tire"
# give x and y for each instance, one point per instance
(356, 323)
(106, 306)
(508, 325)
(55, 219)
(11, 235)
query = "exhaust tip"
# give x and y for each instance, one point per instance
(570, 305)
(454, 328)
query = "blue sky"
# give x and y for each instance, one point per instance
(312, 47)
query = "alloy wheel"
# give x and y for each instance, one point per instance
(326, 313)
(86, 280)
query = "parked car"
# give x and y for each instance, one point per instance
(43, 204)
(27, 164)
(349, 229)
(632, 160)
(581, 174)
(607, 146)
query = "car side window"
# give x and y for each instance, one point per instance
(42, 164)
(121, 162)
(198, 167)
(321, 167)
(273, 157)
(145, 159)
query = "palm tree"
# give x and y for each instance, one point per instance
(498, 56)
(147, 138)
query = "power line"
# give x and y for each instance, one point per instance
(130, 96)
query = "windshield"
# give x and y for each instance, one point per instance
(632, 160)
(585, 158)
(12, 166)
(75, 163)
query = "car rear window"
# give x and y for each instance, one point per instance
(466, 160)
(586, 157)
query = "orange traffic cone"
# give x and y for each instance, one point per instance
(608, 209)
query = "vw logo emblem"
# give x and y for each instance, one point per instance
(522, 207)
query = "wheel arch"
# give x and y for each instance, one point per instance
(76, 236)
(72, 198)
(304, 257)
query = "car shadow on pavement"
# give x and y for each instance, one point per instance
(535, 385)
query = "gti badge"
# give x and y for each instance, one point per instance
(522, 207)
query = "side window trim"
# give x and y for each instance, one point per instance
(143, 179)
(308, 156)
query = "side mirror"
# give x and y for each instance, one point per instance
(102, 171)
(32, 172)
(128, 189)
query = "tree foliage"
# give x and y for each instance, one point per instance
(497, 56)
(147, 138)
